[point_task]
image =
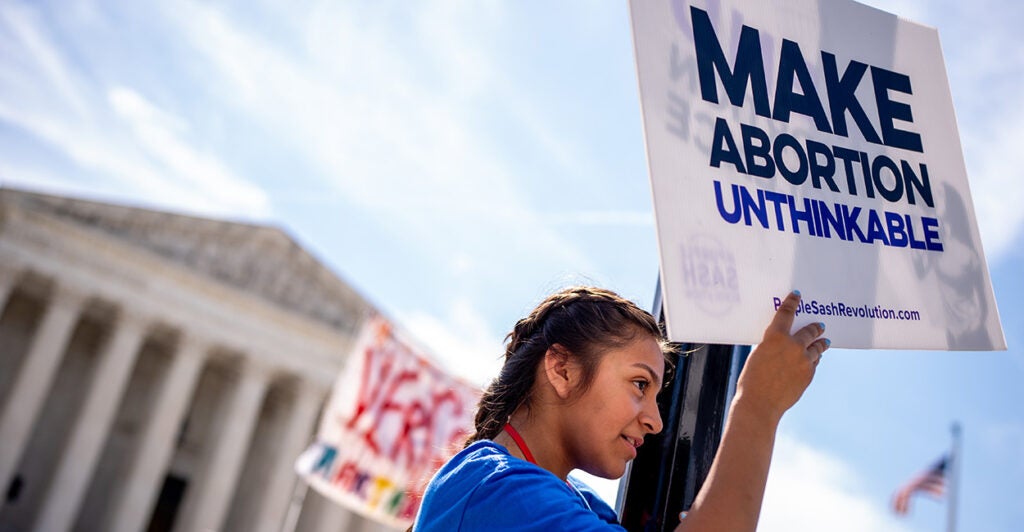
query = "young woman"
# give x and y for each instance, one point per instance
(577, 391)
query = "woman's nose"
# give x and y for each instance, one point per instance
(650, 417)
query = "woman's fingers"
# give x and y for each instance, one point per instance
(783, 320)
(809, 333)
(806, 336)
(818, 347)
(783, 365)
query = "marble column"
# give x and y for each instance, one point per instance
(137, 496)
(276, 495)
(208, 497)
(35, 376)
(92, 424)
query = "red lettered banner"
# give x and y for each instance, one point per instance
(393, 418)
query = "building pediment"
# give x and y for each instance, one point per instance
(261, 260)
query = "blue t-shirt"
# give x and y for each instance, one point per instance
(485, 488)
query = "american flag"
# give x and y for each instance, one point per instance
(932, 481)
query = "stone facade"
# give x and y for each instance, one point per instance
(161, 371)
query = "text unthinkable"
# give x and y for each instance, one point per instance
(751, 151)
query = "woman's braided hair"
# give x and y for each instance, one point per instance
(584, 321)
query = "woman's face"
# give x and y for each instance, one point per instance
(609, 421)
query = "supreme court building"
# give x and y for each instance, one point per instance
(161, 371)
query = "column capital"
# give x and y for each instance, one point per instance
(131, 318)
(68, 296)
(250, 368)
(309, 390)
(192, 344)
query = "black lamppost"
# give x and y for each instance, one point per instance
(671, 466)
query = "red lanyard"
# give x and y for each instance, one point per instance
(520, 443)
(526, 451)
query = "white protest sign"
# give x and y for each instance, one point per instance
(392, 420)
(799, 144)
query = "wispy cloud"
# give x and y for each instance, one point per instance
(462, 340)
(995, 160)
(42, 58)
(985, 74)
(160, 136)
(603, 218)
(386, 113)
(112, 136)
(1006, 439)
(809, 489)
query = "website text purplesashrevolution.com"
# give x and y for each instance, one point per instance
(832, 308)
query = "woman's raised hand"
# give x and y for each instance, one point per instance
(773, 379)
(783, 364)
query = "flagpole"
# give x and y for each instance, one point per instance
(954, 480)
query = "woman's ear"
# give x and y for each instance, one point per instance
(561, 370)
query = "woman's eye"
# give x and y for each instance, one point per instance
(641, 384)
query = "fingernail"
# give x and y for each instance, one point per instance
(828, 343)
(796, 292)
(822, 325)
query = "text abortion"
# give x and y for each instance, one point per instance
(837, 169)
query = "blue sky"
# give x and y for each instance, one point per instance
(456, 161)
